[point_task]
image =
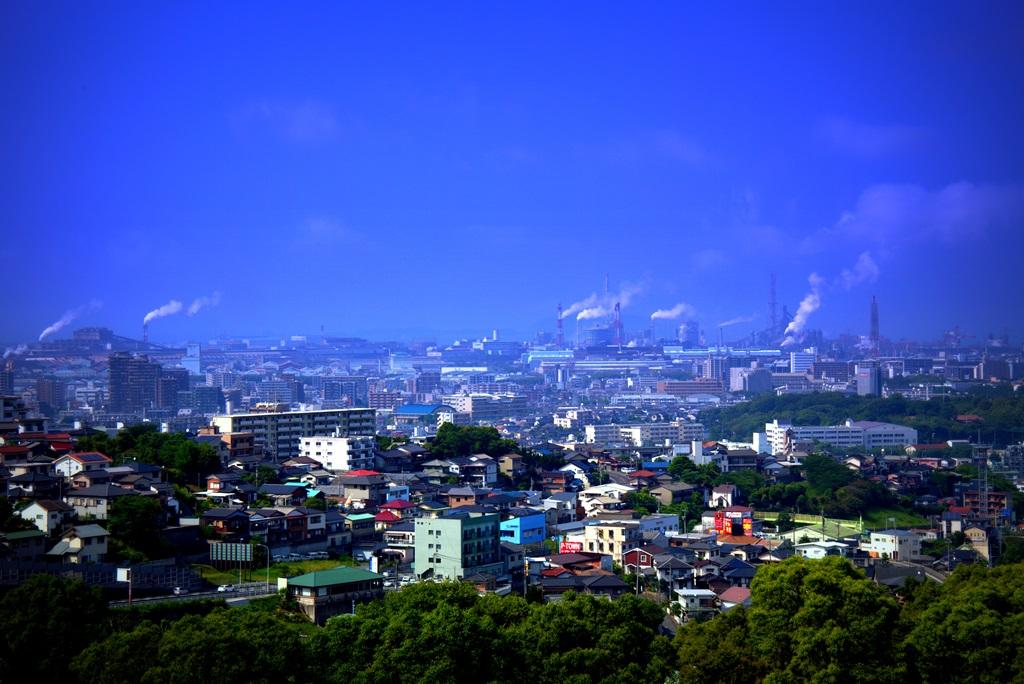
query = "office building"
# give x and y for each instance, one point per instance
(51, 395)
(192, 361)
(750, 380)
(169, 382)
(133, 381)
(801, 362)
(279, 433)
(866, 434)
(869, 381)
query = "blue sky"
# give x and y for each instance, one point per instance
(424, 171)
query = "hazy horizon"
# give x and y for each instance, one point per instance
(414, 172)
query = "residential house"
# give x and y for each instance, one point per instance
(81, 544)
(612, 538)
(511, 465)
(284, 495)
(822, 549)
(95, 501)
(34, 484)
(324, 594)
(723, 496)
(523, 526)
(734, 596)
(364, 488)
(479, 470)
(227, 522)
(697, 604)
(48, 515)
(23, 544)
(895, 545)
(76, 462)
(674, 492)
(554, 585)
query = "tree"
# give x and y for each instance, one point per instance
(680, 467)
(120, 658)
(642, 501)
(718, 650)
(465, 440)
(136, 521)
(229, 646)
(825, 474)
(812, 619)
(44, 622)
(970, 629)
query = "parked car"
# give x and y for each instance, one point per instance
(180, 591)
(224, 588)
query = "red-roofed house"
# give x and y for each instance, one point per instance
(406, 509)
(734, 596)
(385, 519)
(74, 463)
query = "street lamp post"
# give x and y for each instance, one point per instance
(267, 548)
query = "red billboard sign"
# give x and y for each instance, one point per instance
(570, 547)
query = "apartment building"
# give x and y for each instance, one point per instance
(280, 433)
(337, 453)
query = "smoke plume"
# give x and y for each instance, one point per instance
(864, 271)
(737, 321)
(15, 351)
(680, 310)
(808, 305)
(169, 309)
(202, 302)
(69, 316)
(598, 306)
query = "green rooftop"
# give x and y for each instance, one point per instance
(326, 578)
(24, 534)
(359, 516)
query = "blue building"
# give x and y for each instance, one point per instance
(523, 526)
(425, 416)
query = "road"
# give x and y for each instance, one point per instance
(931, 573)
(244, 590)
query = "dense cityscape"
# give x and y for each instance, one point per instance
(504, 343)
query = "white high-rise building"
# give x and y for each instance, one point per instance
(802, 361)
(339, 453)
(870, 435)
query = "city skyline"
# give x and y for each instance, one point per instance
(412, 173)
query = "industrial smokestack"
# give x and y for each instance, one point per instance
(559, 337)
(145, 333)
(618, 325)
(874, 325)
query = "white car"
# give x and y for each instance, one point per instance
(180, 591)
(224, 588)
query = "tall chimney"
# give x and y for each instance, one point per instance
(145, 333)
(559, 338)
